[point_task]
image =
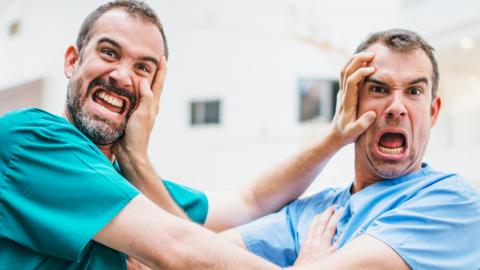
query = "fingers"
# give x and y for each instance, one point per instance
(363, 122)
(159, 80)
(351, 87)
(146, 94)
(346, 123)
(331, 227)
(323, 227)
(351, 75)
(336, 245)
(319, 223)
(317, 244)
(355, 62)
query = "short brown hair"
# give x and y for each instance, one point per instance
(132, 7)
(403, 41)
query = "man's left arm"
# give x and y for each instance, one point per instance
(272, 190)
(364, 252)
(131, 150)
(291, 178)
(428, 231)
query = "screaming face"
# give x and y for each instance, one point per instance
(105, 75)
(400, 93)
(112, 101)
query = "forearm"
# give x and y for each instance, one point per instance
(213, 252)
(139, 171)
(167, 242)
(290, 179)
(280, 185)
(363, 253)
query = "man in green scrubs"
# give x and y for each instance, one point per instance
(65, 201)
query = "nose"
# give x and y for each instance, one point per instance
(121, 75)
(396, 108)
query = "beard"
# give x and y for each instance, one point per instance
(381, 168)
(100, 130)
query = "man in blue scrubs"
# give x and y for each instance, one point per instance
(398, 213)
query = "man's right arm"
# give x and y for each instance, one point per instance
(163, 241)
(290, 179)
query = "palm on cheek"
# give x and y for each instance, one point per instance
(142, 120)
(346, 123)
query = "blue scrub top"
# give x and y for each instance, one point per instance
(431, 219)
(57, 191)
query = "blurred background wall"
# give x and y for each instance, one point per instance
(251, 82)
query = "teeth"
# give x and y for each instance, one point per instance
(103, 108)
(391, 150)
(111, 99)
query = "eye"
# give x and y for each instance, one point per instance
(143, 68)
(378, 89)
(415, 91)
(109, 53)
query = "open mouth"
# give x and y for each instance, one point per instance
(109, 101)
(392, 143)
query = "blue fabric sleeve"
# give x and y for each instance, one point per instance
(272, 237)
(420, 230)
(58, 190)
(277, 237)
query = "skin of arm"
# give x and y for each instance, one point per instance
(268, 193)
(226, 210)
(272, 190)
(362, 253)
(186, 241)
(131, 150)
(290, 179)
(168, 242)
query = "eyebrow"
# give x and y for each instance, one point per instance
(376, 81)
(382, 83)
(419, 80)
(111, 41)
(151, 59)
(117, 45)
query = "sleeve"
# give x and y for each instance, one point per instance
(193, 202)
(439, 228)
(273, 237)
(59, 191)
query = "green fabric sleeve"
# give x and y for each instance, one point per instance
(193, 202)
(58, 190)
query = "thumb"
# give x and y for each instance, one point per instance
(364, 121)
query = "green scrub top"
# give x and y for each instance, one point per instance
(57, 191)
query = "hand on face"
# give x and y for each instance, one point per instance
(141, 122)
(346, 124)
(317, 245)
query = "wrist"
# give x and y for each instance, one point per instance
(334, 138)
(133, 165)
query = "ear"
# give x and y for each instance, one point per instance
(435, 110)
(72, 57)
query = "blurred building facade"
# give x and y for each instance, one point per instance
(252, 82)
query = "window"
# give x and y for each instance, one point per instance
(317, 99)
(205, 112)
